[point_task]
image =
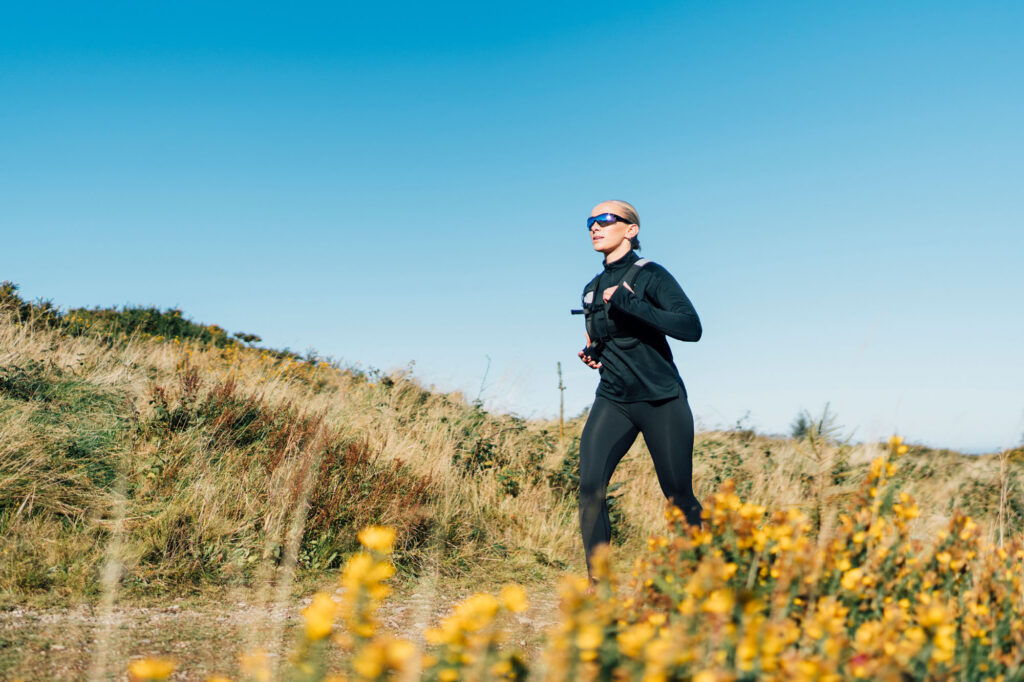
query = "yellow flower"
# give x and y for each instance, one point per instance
(932, 615)
(851, 579)
(362, 568)
(477, 611)
(378, 538)
(589, 637)
(631, 640)
(719, 601)
(379, 591)
(399, 652)
(319, 616)
(513, 597)
(218, 678)
(945, 643)
(382, 655)
(369, 664)
(150, 669)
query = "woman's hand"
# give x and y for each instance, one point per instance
(587, 360)
(611, 290)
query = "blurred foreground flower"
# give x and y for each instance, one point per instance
(513, 598)
(319, 616)
(378, 538)
(150, 669)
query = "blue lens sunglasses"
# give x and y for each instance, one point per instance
(606, 219)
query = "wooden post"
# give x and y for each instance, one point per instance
(561, 405)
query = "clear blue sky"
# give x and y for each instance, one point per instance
(837, 187)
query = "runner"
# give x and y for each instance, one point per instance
(630, 307)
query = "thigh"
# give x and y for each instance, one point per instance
(668, 432)
(607, 436)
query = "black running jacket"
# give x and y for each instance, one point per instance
(636, 362)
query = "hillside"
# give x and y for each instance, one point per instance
(203, 460)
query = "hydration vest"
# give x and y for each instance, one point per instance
(594, 305)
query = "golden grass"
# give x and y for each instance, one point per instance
(199, 509)
(141, 465)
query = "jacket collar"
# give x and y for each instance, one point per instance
(623, 262)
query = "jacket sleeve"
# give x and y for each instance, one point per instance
(668, 309)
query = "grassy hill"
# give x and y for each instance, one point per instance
(196, 458)
(148, 461)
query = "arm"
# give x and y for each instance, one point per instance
(670, 313)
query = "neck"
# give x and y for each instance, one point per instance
(620, 251)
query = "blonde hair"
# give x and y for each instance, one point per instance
(628, 211)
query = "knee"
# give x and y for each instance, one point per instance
(592, 492)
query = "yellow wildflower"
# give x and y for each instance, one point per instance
(945, 643)
(719, 601)
(369, 663)
(378, 538)
(589, 637)
(513, 598)
(851, 579)
(399, 652)
(931, 615)
(150, 669)
(632, 640)
(477, 611)
(319, 616)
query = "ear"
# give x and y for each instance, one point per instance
(632, 231)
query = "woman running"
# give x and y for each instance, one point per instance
(630, 307)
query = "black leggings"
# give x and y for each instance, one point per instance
(611, 428)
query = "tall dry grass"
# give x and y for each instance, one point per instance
(242, 466)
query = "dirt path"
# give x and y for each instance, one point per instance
(206, 635)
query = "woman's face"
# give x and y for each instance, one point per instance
(608, 238)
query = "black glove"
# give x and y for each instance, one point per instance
(593, 351)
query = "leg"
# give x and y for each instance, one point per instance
(606, 438)
(668, 431)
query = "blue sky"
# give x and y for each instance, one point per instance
(836, 187)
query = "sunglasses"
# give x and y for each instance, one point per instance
(606, 219)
